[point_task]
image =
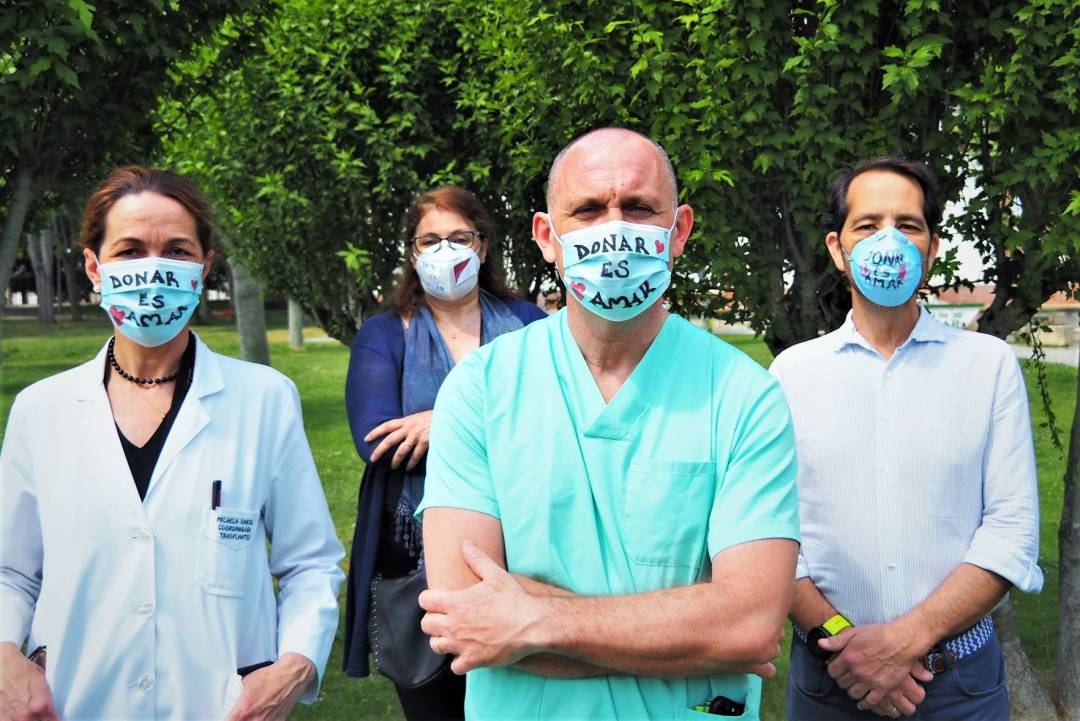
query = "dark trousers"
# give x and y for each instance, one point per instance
(972, 690)
(442, 699)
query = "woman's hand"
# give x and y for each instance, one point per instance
(24, 694)
(409, 434)
(271, 693)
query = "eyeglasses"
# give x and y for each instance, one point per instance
(457, 239)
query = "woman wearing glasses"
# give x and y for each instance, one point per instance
(450, 299)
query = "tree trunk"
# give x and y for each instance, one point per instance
(70, 262)
(22, 193)
(72, 266)
(250, 313)
(1068, 655)
(1027, 697)
(40, 249)
(296, 325)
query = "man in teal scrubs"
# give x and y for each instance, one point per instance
(610, 518)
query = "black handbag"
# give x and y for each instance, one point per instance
(401, 649)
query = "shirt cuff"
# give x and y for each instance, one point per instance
(802, 568)
(15, 617)
(310, 633)
(1024, 573)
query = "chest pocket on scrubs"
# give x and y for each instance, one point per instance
(224, 545)
(667, 512)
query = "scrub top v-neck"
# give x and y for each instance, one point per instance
(693, 454)
(142, 459)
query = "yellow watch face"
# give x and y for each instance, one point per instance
(836, 624)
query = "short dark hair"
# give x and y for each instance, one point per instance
(409, 292)
(921, 174)
(135, 179)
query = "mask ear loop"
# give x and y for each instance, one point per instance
(97, 286)
(551, 224)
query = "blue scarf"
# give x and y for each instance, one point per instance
(427, 361)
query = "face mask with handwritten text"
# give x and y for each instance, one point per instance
(150, 300)
(887, 267)
(617, 269)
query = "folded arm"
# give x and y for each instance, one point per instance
(487, 617)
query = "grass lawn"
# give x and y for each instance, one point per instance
(32, 352)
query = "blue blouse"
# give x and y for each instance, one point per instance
(372, 397)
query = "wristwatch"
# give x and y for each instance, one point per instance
(833, 626)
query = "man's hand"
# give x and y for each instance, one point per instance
(878, 664)
(902, 700)
(24, 694)
(483, 625)
(271, 692)
(408, 434)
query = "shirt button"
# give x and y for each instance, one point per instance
(885, 468)
(891, 566)
(145, 609)
(143, 536)
(146, 683)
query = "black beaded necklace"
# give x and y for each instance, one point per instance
(136, 379)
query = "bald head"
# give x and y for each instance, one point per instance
(605, 141)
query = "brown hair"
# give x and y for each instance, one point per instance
(135, 179)
(408, 292)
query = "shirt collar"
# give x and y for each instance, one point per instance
(926, 330)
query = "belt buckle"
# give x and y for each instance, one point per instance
(939, 660)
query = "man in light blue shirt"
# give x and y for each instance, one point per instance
(917, 488)
(610, 519)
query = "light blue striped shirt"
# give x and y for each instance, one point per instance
(911, 466)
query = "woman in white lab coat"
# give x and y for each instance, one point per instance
(137, 495)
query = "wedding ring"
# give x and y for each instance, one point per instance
(438, 645)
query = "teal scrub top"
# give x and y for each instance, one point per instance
(693, 455)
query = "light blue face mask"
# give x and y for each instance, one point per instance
(150, 300)
(887, 267)
(617, 269)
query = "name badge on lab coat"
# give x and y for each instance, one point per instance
(233, 528)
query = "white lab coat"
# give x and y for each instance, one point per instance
(148, 608)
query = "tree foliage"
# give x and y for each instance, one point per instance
(316, 141)
(761, 104)
(77, 81)
(340, 112)
(1019, 120)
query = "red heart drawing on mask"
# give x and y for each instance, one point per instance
(903, 272)
(578, 288)
(659, 247)
(194, 285)
(117, 315)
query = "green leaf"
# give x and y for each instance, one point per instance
(40, 65)
(85, 13)
(67, 75)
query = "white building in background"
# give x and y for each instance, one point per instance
(1060, 315)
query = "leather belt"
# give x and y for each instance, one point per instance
(944, 655)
